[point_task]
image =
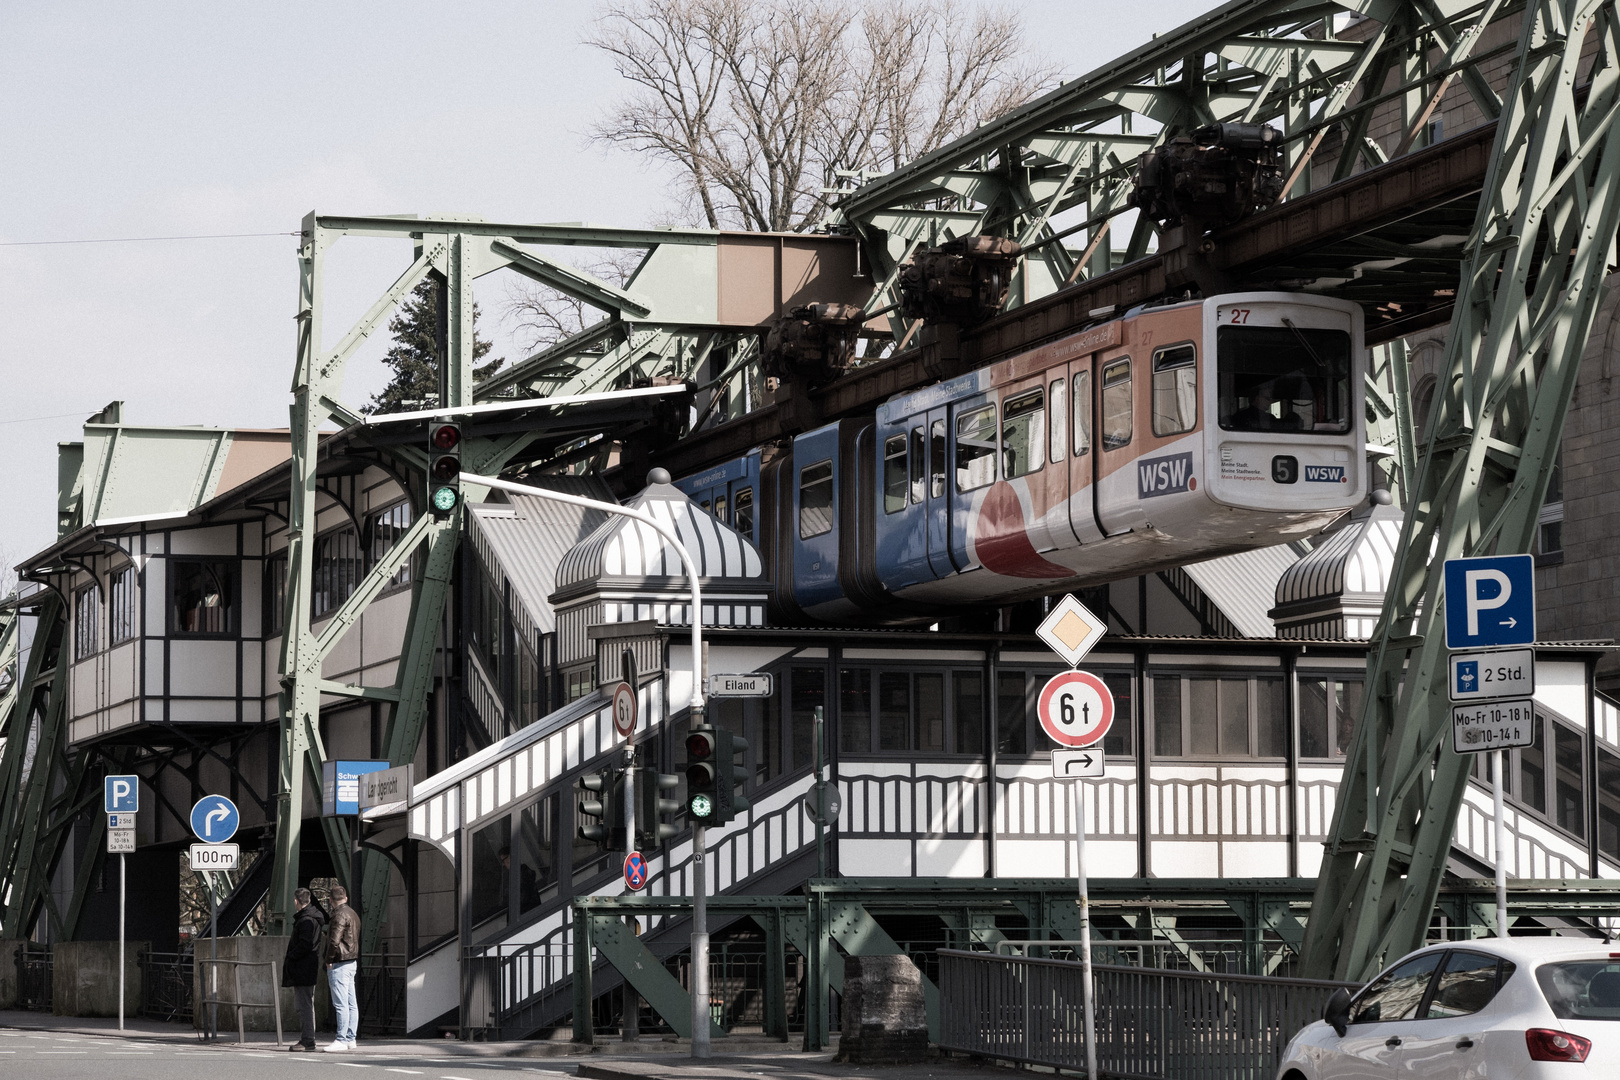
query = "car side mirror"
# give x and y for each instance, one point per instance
(1337, 1011)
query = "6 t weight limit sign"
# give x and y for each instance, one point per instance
(1076, 709)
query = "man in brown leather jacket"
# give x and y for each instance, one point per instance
(342, 958)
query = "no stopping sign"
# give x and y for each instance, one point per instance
(1076, 708)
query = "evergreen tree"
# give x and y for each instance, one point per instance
(415, 355)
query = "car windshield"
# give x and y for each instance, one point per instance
(1582, 989)
(1283, 378)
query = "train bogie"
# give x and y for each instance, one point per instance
(1167, 436)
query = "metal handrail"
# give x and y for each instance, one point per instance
(239, 1004)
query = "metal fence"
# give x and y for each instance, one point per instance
(1152, 1023)
(34, 977)
(166, 982)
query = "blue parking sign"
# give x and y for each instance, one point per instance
(122, 794)
(1490, 602)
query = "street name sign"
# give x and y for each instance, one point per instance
(1075, 708)
(1482, 676)
(385, 792)
(1492, 725)
(214, 819)
(750, 684)
(122, 794)
(214, 856)
(120, 841)
(1070, 630)
(1490, 602)
(1068, 764)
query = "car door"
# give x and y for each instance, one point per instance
(1447, 1041)
(1380, 1022)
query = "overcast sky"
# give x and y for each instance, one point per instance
(168, 119)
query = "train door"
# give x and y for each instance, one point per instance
(938, 493)
(1076, 432)
(1116, 441)
(974, 428)
(902, 503)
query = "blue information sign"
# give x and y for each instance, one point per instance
(122, 794)
(1490, 602)
(214, 819)
(340, 785)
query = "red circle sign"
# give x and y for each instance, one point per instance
(1076, 709)
(624, 709)
(635, 871)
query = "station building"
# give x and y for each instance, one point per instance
(1237, 682)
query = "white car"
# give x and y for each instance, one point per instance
(1521, 1009)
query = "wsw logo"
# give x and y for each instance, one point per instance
(1326, 474)
(1165, 476)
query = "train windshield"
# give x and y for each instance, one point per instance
(1284, 378)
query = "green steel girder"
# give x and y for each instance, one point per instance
(619, 944)
(1543, 235)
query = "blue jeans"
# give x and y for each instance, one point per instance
(345, 1006)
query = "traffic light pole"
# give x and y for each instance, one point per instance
(700, 945)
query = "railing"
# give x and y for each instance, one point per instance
(380, 985)
(166, 982)
(241, 1005)
(1152, 1023)
(34, 977)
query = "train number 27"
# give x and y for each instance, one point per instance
(1240, 314)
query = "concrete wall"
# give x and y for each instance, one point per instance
(8, 974)
(256, 986)
(84, 978)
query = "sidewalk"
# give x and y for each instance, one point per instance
(741, 1057)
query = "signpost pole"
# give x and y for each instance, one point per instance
(1085, 927)
(1500, 844)
(213, 969)
(121, 942)
(821, 805)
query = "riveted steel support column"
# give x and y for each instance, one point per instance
(1541, 242)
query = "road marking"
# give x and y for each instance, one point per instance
(61, 1051)
(413, 1072)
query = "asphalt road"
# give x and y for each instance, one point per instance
(27, 1055)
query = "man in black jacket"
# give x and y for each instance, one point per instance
(302, 965)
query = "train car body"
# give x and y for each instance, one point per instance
(1170, 435)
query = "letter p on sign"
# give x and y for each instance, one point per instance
(1490, 601)
(122, 794)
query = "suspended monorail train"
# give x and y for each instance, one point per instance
(1169, 435)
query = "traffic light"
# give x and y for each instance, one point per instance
(712, 776)
(733, 774)
(650, 831)
(444, 468)
(702, 790)
(607, 832)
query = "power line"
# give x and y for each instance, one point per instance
(53, 416)
(140, 239)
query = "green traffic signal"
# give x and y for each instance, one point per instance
(444, 499)
(701, 807)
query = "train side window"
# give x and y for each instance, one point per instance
(1060, 421)
(1023, 434)
(1175, 390)
(919, 486)
(976, 448)
(1082, 414)
(936, 452)
(896, 478)
(1116, 405)
(742, 515)
(815, 499)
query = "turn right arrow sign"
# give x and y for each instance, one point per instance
(1086, 761)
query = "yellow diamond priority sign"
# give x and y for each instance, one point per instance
(1070, 630)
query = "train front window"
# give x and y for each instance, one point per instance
(742, 514)
(815, 500)
(1283, 378)
(895, 476)
(1175, 390)
(975, 448)
(1023, 434)
(1117, 416)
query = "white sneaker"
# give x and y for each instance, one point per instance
(337, 1047)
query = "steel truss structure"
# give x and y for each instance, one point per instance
(1543, 239)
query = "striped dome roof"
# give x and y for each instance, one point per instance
(1358, 560)
(624, 549)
